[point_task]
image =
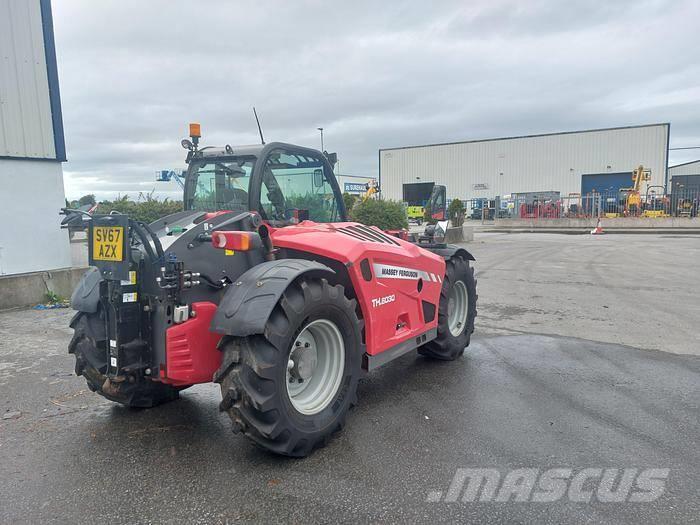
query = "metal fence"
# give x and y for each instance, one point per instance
(684, 203)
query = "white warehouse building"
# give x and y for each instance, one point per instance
(684, 179)
(32, 147)
(599, 160)
(691, 168)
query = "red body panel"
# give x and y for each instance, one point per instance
(190, 349)
(534, 211)
(209, 216)
(391, 300)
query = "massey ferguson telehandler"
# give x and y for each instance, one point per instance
(262, 285)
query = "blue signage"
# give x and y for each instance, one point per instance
(355, 187)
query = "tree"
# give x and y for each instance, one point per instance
(87, 199)
(387, 215)
(455, 212)
(428, 215)
(349, 199)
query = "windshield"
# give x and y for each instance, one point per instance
(296, 187)
(220, 185)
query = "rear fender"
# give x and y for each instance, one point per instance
(86, 295)
(248, 302)
(448, 251)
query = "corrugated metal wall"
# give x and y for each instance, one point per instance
(522, 164)
(26, 126)
(688, 168)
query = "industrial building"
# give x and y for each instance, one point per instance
(685, 177)
(576, 162)
(32, 147)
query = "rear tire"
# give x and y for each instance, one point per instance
(259, 373)
(454, 331)
(87, 345)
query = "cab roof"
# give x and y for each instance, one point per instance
(251, 150)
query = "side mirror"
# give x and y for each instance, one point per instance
(332, 158)
(441, 229)
(318, 178)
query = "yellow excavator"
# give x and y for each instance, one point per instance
(632, 197)
(371, 189)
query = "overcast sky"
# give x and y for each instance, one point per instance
(373, 74)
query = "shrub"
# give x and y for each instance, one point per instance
(147, 210)
(349, 199)
(387, 215)
(455, 212)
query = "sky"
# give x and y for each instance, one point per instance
(372, 74)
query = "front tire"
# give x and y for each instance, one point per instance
(290, 388)
(456, 312)
(88, 344)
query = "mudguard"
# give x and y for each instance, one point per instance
(249, 301)
(451, 250)
(86, 295)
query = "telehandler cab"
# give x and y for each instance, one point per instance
(262, 285)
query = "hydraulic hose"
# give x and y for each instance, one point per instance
(156, 240)
(143, 236)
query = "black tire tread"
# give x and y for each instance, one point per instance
(445, 346)
(248, 374)
(90, 363)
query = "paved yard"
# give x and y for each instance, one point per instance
(638, 290)
(564, 371)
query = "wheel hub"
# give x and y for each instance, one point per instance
(457, 308)
(303, 361)
(315, 366)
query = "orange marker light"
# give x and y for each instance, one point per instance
(195, 129)
(237, 241)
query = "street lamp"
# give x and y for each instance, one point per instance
(321, 130)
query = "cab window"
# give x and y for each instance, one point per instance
(296, 187)
(220, 185)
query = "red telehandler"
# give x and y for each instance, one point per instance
(262, 285)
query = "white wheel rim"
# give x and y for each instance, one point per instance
(315, 367)
(457, 308)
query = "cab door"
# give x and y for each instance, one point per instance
(438, 203)
(294, 184)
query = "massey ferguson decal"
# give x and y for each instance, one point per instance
(386, 271)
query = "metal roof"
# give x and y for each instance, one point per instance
(684, 164)
(526, 136)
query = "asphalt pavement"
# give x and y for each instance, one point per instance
(513, 402)
(519, 399)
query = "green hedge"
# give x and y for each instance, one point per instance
(349, 199)
(387, 215)
(148, 210)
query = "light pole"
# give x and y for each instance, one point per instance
(321, 130)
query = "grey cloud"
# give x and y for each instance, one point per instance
(372, 74)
